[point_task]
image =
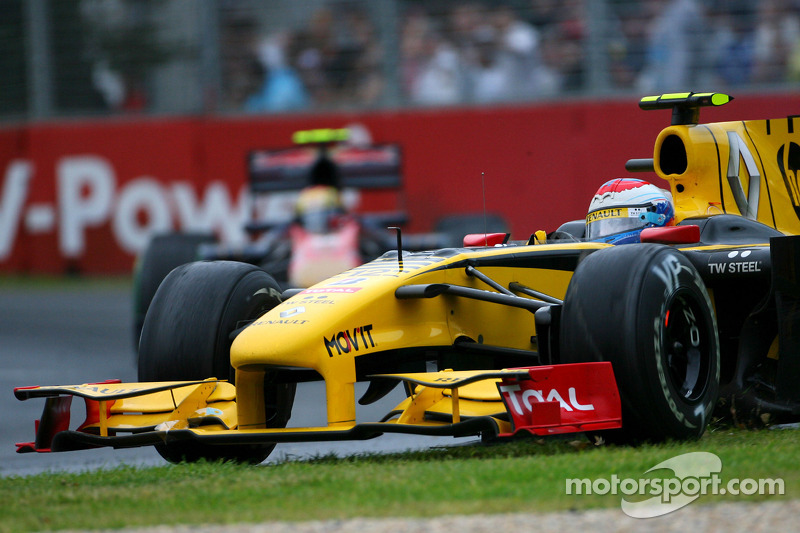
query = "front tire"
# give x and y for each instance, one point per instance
(163, 253)
(646, 309)
(187, 336)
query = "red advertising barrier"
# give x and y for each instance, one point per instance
(86, 196)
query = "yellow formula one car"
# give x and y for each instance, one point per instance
(562, 333)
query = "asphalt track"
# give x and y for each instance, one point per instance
(54, 333)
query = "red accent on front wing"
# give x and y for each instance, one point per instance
(565, 398)
(56, 418)
(93, 412)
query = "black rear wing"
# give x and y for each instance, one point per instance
(372, 167)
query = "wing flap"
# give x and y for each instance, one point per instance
(113, 407)
(447, 379)
(107, 390)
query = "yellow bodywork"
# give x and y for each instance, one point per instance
(741, 168)
(326, 327)
(453, 395)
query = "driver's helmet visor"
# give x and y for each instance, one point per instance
(613, 220)
(319, 220)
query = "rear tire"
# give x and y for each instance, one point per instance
(646, 309)
(187, 336)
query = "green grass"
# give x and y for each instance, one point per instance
(520, 476)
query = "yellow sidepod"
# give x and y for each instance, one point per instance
(500, 325)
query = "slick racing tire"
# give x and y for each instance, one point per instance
(645, 309)
(163, 253)
(187, 336)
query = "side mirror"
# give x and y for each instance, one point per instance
(672, 234)
(485, 239)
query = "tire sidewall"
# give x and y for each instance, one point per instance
(669, 276)
(187, 330)
(163, 254)
(253, 295)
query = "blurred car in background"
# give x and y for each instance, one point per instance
(324, 235)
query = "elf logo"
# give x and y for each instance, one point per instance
(355, 339)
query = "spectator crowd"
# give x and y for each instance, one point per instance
(348, 54)
(487, 52)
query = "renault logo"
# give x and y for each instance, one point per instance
(747, 203)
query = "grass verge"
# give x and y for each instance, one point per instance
(520, 476)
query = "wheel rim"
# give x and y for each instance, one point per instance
(687, 346)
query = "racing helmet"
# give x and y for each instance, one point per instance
(317, 207)
(623, 207)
